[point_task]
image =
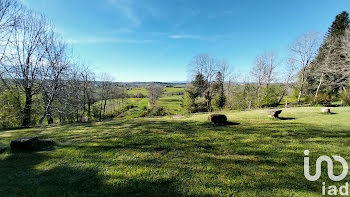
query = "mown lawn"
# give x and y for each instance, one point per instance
(184, 157)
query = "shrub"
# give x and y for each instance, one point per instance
(177, 93)
(271, 98)
(156, 111)
(10, 115)
(188, 102)
(219, 101)
(345, 97)
(95, 111)
(201, 104)
(323, 99)
(140, 95)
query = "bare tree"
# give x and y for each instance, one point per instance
(106, 89)
(207, 66)
(24, 64)
(303, 51)
(88, 98)
(154, 93)
(57, 64)
(288, 77)
(264, 71)
(10, 16)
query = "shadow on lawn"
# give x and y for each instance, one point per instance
(22, 179)
(286, 118)
(198, 154)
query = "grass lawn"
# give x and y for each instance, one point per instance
(183, 157)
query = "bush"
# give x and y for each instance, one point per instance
(96, 112)
(201, 104)
(140, 95)
(188, 102)
(323, 99)
(156, 111)
(177, 93)
(345, 97)
(10, 115)
(271, 98)
(219, 101)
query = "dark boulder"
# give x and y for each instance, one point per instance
(273, 113)
(31, 144)
(217, 119)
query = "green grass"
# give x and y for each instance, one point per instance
(171, 103)
(137, 90)
(184, 157)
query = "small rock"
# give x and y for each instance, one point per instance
(25, 143)
(273, 113)
(217, 119)
(31, 144)
(326, 110)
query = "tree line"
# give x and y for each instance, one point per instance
(315, 72)
(40, 78)
(42, 82)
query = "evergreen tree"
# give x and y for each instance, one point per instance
(339, 25)
(199, 84)
(330, 70)
(220, 98)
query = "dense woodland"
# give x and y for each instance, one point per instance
(43, 83)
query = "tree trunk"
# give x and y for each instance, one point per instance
(318, 87)
(282, 96)
(104, 106)
(89, 111)
(301, 88)
(100, 115)
(27, 108)
(49, 119)
(77, 115)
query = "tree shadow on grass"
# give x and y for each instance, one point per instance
(285, 118)
(196, 150)
(20, 177)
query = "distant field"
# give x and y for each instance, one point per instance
(166, 157)
(171, 102)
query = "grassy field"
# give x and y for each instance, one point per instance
(171, 102)
(257, 156)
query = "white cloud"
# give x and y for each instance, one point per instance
(126, 8)
(185, 36)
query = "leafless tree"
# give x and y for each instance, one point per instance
(208, 66)
(57, 63)
(106, 89)
(87, 78)
(154, 93)
(264, 71)
(24, 62)
(10, 16)
(303, 51)
(288, 76)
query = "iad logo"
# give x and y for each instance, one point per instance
(331, 190)
(329, 164)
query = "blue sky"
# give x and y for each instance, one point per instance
(154, 40)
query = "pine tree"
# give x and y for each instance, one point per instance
(339, 25)
(330, 71)
(219, 91)
(200, 85)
